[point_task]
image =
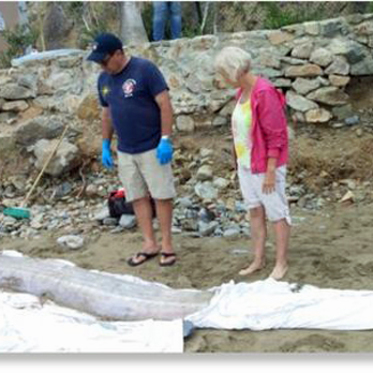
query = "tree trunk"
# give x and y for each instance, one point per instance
(22, 13)
(132, 28)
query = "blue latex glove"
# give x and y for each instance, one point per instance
(164, 151)
(107, 160)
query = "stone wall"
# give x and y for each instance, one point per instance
(311, 62)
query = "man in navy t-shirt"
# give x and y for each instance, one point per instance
(137, 107)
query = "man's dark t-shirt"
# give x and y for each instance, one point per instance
(129, 95)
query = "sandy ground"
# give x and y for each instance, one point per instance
(332, 248)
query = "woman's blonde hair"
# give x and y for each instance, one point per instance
(233, 62)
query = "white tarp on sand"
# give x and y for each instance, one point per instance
(270, 304)
(29, 325)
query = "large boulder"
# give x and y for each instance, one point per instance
(339, 66)
(299, 103)
(34, 129)
(322, 57)
(353, 51)
(303, 50)
(65, 159)
(330, 96)
(308, 70)
(304, 86)
(14, 91)
(318, 116)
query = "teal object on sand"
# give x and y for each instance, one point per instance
(18, 213)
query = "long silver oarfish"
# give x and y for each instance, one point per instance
(102, 294)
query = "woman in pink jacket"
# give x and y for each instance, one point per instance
(261, 153)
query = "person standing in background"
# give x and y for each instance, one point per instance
(162, 11)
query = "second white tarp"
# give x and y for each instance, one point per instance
(271, 304)
(29, 325)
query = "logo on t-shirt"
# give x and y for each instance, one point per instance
(129, 87)
(105, 90)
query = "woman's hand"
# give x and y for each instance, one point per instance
(269, 182)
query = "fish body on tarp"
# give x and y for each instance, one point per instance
(117, 297)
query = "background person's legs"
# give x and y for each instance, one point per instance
(175, 19)
(258, 235)
(160, 11)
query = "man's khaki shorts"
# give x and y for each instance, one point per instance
(141, 174)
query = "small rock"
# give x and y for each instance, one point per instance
(127, 221)
(339, 81)
(206, 215)
(36, 225)
(241, 206)
(348, 197)
(185, 123)
(351, 184)
(220, 183)
(110, 221)
(15, 106)
(189, 225)
(63, 190)
(359, 132)
(204, 153)
(338, 125)
(219, 121)
(102, 214)
(206, 229)
(71, 241)
(91, 190)
(352, 120)
(204, 173)
(185, 202)
(232, 232)
(319, 115)
(9, 221)
(176, 230)
(117, 230)
(206, 191)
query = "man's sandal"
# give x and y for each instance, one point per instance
(146, 256)
(168, 263)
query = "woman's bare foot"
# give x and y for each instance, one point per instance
(253, 267)
(279, 271)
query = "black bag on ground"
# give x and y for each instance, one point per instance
(118, 206)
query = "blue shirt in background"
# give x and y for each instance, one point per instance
(129, 95)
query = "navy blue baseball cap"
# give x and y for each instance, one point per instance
(104, 44)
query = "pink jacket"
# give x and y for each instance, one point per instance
(269, 133)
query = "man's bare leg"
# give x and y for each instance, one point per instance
(282, 233)
(164, 209)
(259, 235)
(144, 215)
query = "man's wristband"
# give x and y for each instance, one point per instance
(165, 137)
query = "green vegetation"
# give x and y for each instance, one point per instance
(92, 19)
(279, 15)
(18, 39)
